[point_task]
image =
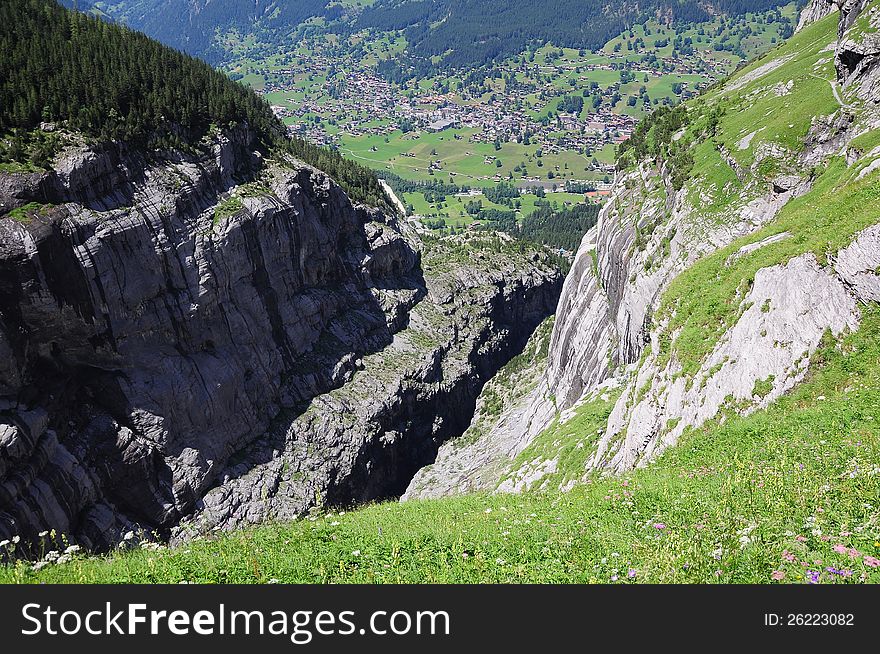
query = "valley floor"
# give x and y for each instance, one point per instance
(790, 494)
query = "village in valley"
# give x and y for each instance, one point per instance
(549, 119)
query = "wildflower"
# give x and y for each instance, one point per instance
(39, 565)
(488, 511)
(613, 577)
(812, 577)
(335, 523)
(801, 539)
(273, 581)
(500, 561)
(4, 543)
(840, 549)
(659, 525)
(870, 561)
(716, 554)
(64, 558)
(128, 535)
(853, 553)
(52, 556)
(788, 556)
(778, 575)
(632, 573)
(356, 553)
(43, 534)
(73, 549)
(16, 540)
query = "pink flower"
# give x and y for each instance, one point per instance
(870, 561)
(801, 539)
(840, 549)
(853, 553)
(659, 525)
(778, 575)
(788, 556)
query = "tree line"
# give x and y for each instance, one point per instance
(114, 84)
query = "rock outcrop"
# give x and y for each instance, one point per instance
(815, 10)
(211, 340)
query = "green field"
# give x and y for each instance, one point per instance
(452, 209)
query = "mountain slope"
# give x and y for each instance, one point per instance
(463, 32)
(728, 253)
(467, 32)
(114, 84)
(191, 26)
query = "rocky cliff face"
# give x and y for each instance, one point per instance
(628, 315)
(815, 10)
(207, 339)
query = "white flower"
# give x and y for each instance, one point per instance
(273, 581)
(488, 511)
(43, 534)
(4, 543)
(39, 565)
(128, 535)
(52, 556)
(356, 553)
(817, 532)
(500, 561)
(16, 539)
(73, 549)
(718, 553)
(64, 558)
(335, 523)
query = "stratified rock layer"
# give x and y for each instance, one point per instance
(210, 340)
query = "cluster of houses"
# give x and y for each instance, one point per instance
(355, 101)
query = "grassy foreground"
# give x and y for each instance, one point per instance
(789, 495)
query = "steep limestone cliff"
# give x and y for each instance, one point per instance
(210, 339)
(713, 297)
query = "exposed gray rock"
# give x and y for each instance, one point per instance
(205, 339)
(815, 10)
(784, 317)
(859, 264)
(857, 55)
